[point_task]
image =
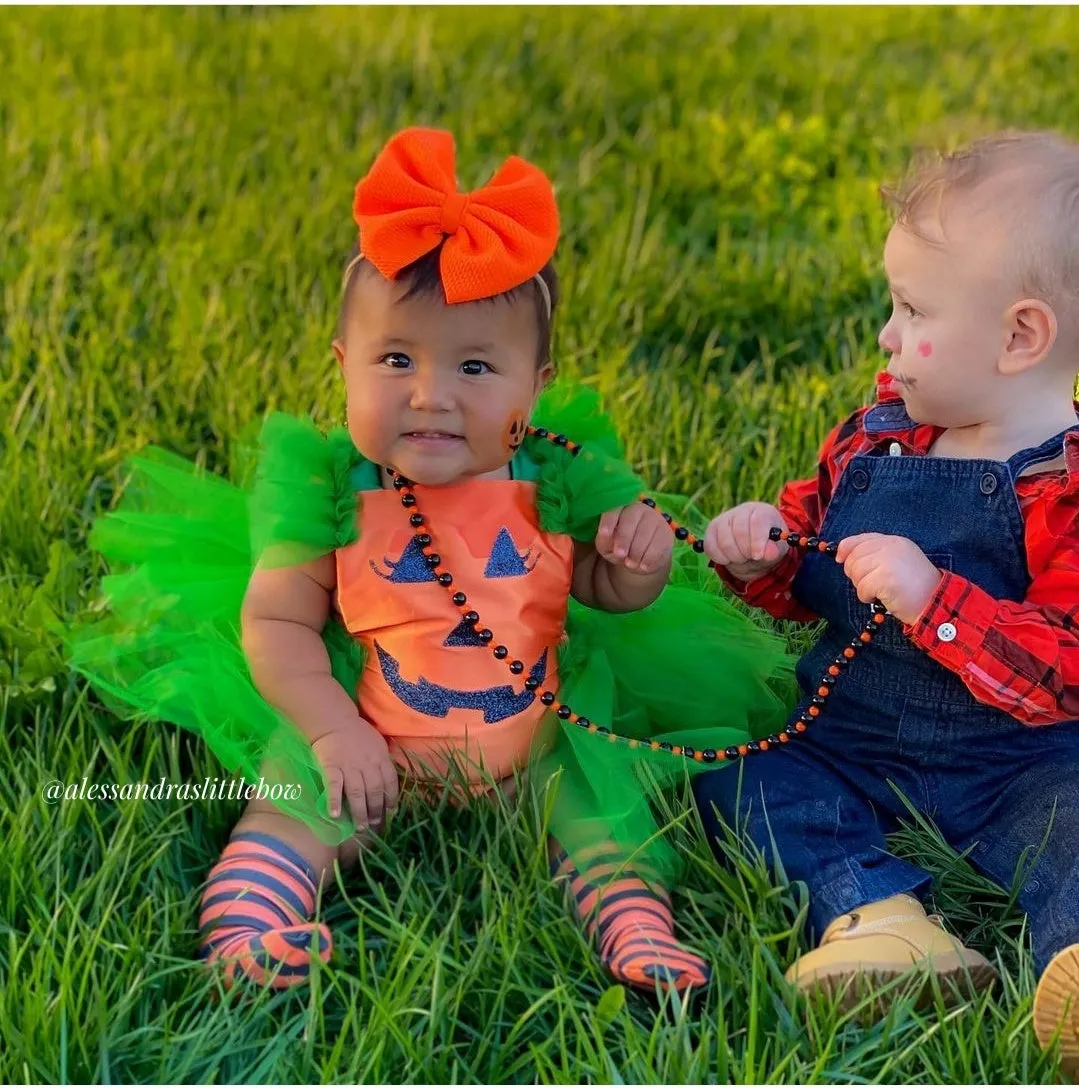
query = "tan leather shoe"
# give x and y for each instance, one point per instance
(1056, 1005)
(875, 944)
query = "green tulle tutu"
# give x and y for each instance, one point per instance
(164, 641)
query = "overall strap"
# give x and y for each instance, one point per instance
(1050, 449)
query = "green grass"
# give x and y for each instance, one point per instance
(174, 211)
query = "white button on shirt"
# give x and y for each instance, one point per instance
(946, 632)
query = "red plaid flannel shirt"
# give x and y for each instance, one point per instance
(1022, 658)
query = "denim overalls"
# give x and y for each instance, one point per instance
(896, 716)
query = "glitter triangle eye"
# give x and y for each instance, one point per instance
(505, 561)
(411, 567)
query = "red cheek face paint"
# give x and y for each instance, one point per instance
(925, 349)
(513, 433)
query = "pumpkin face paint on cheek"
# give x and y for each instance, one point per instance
(513, 433)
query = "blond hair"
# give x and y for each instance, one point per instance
(1027, 184)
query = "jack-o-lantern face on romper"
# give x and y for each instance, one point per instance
(430, 684)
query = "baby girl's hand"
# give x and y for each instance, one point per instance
(891, 568)
(635, 537)
(357, 764)
(738, 540)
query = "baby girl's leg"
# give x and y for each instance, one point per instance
(260, 897)
(631, 919)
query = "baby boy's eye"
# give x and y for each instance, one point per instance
(398, 360)
(474, 366)
(909, 310)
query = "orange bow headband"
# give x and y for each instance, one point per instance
(496, 238)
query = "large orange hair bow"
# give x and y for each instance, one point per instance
(496, 237)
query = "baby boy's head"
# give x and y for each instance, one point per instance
(983, 267)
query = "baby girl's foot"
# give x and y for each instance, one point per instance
(255, 913)
(633, 924)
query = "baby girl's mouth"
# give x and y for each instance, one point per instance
(432, 436)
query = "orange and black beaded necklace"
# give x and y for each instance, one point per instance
(877, 615)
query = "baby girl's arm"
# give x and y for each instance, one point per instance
(284, 612)
(282, 618)
(629, 563)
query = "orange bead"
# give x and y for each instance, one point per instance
(614, 738)
(783, 738)
(799, 727)
(848, 653)
(822, 691)
(593, 728)
(676, 750)
(632, 742)
(822, 546)
(833, 670)
(655, 746)
(698, 757)
(814, 711)
(764, 746)
(878, 617)
(742, 749)
(865, 636)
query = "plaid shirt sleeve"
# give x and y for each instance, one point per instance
(802, 504)
(1020, 657)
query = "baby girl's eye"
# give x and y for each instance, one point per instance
(474, 366)
(397, 359)
(909, 310)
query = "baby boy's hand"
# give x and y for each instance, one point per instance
(891, 568)
(635, 537)
(739, 540)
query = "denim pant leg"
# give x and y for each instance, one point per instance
(1033, 820)
(824, 826)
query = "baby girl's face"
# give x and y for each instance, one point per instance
(438, 392)
(947, 329)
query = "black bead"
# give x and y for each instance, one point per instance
(666, 745)
(806, 718)
(774, 739)
(445, 578)
(399, 482)
(516, 667)
(812, 543)
(649, 502)
(667, 518)
(433, 559)
(775, 534)
(547, 698)
(471, 617)
(817, 700)
(791, 731)
(828, 681)
(458, 598)
(709, 755)
(560, 439)
(681, 532)
(599, 728)
(415, 520)
(698, 547)
(754, 745)
(501, 652)
(532, 683)
(584, 723)
(423, 539)
(485, 635)
(542, 432)
(688, 752)
(731, 752)
(576, 450)
(563, 712)
(408, 499)
(840, 662)
(831, 549)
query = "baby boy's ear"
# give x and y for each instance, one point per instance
(1032, 329)
(339, 352)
